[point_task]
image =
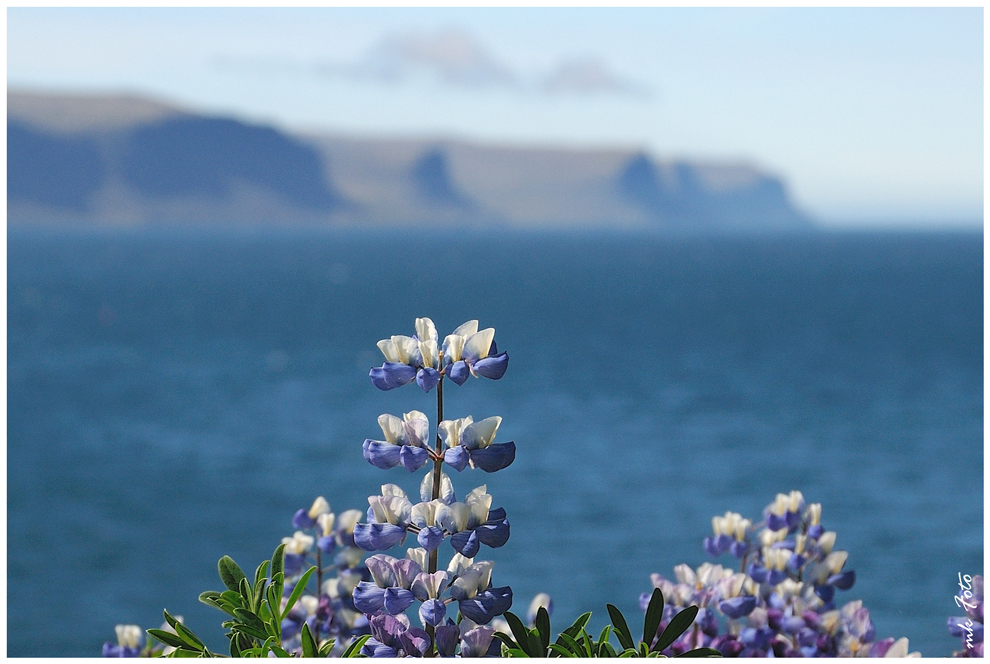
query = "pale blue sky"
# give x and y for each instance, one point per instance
(869, 114)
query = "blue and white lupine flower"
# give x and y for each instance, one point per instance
(129, 639)
(390, 590)
(446, 488)
(388, 518)
(409, 358)
(427, 589)
(476, 598)
(473, 523)
(730, 534)
(468, 351)
(424, 517)
(475, 642)
(784, 511)
(296, 548)
(405, 442)
(307, 518)
(472, 443)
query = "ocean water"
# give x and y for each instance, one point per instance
(176, 397)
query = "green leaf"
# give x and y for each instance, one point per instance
(620, 627)
(297, 591)
(274, 602)
(168, 638)
(677, 626)
(230, 573)
(607, 650)
(181, 652)
(629, 652)
(245, 589)
(261, 572)
(186, 635)
(506, 639)
(561, 650)
(571, 644)
(516, 652)
(309, 647)
(587, 642)
(579, 624)
(249, 618)
(519, 632)
(232, 597)
(354, 650)
(278, 561)
(543, 629)
(654, 613)
(327, 648)
(280, 651)
(644, 649)
(701, 652)
(602, 640)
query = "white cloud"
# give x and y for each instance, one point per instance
(453, 57)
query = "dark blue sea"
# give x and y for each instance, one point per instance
(174, 397)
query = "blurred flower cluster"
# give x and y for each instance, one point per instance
(969, 628)
(779, 598)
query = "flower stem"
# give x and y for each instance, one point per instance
(437, 464)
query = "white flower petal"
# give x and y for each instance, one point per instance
(466, 329)
(478, 345)
(388, 350)
(425, 329)
(478, 435)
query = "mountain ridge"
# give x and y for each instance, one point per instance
(131, 161)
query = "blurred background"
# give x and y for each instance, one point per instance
(730, 252)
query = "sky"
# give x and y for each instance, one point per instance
(871, 116)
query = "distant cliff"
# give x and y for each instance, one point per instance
(129, 161)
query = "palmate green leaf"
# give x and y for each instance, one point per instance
(516, 652)
(677, 626)
(248, 618)
(606, 650)
(309, 647)
(180, 652)
(230, 573)
(701, 652)
(654, 613)
(543, 629)
(297, 591)
(578, 625)
(244, 588)
(232, 597)
(602, 640)
(620, 627)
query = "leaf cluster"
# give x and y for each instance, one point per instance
(575, 641)
(256, 614)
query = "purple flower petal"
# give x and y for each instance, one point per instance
(459, 372)
(391, 375)
(378, 536)
(432, 612)
(413, 458)
(374, 648)
(475, 641)
(493, 534)
(430, 537)
(494, 457)
(465, 543)
(486, 605)
(397, 600)
(301, 520)
(814, 532)
(710, 545)
(380, 454)
(427, 378)
(492, 366)
(775, 522)
(739, 548)
(368, 598)
(457, 457)
(737, 607)
(447, 637)
(843, 580)
(415, 641)
(293, 563)
(327, 543)
(825, 592)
